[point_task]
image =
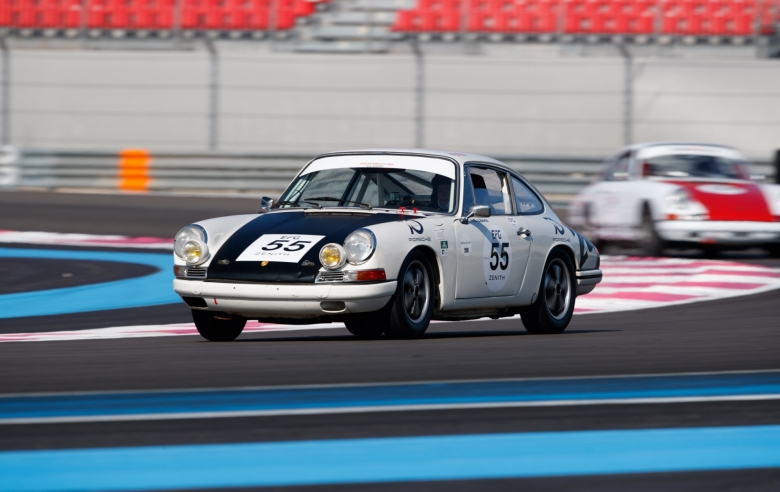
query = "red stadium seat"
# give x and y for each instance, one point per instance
(601, 17)
(675, 17)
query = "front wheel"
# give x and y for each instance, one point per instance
(650, 243)
(774, 250)
(366, 326)
(554, 307)
(218, 327)
(411, 309)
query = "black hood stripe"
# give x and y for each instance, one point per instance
(335, 226)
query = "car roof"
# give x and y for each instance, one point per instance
(460, 157)
(643, 145)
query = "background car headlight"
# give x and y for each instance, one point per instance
(332, 256)
(195, 252)
(678, 199)
(360, 246)
(190, 232)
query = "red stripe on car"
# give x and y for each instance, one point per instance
(734, 201)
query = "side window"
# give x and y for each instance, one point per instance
(619, 170)
(491, 188)
(468, 194)
(526, 202)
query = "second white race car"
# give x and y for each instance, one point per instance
(660, 195)
(385, 241)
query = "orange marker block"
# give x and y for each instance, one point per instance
(134, 170)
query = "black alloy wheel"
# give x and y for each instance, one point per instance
(411, 309)
(554, 306)
(217, 326)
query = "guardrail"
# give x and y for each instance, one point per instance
(559, 178)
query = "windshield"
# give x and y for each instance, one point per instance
(368, 188)
(695, 166)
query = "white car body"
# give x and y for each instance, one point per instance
(718, 212)
(302, 290)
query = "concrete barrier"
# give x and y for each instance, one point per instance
(138, 170)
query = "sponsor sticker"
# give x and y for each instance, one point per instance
(512, 222)
(496, 258)
(465, 244)
(439, 234)
(444, 244)
(286, 248)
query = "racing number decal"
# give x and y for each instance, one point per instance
(287, 248)
(280, 243)
(496, 258)
(499, 257)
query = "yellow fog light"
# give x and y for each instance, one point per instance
(195, 252)
(332, 256)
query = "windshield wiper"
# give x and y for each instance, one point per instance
(331, 199)
(290, 202)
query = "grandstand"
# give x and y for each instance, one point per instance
(387, 20)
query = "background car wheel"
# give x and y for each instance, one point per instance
(554, 307)
(411, 309)
(366, 325)
(774, 250)
(650, 243)
(216, 326)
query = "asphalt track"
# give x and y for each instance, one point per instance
(737, 334)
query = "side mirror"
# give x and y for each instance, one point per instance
(266, 203)
(480, 210)
(476, 211)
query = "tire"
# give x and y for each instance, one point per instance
(367, 326)
(774, 250)
(216, 326)
(710, 252)
(409, 312)
(650, 243)
(554, 307)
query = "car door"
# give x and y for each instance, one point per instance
(609, 206)
(491, 256)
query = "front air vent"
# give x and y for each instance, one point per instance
(330, 277)
(195, 272)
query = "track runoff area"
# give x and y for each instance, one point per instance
(668, 377)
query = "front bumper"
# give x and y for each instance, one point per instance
(587, 280)
(287, 300)
(719, 232)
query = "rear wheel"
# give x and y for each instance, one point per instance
(216, 326)
(650, 242)
(410, 310)
(554, 307)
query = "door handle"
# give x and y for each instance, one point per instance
(523, 232)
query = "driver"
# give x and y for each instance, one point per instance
(440, 195)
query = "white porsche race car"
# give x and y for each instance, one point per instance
(659, 195)
(385, 241)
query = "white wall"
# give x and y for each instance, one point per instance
(495, 104)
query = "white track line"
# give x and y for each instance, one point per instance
(388, 408)
(392, 383)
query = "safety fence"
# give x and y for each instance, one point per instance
(138, 170)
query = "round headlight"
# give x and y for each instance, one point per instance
(190, 232)
(195, 252)
(678, 199)
(360, 246)
(332, 256)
